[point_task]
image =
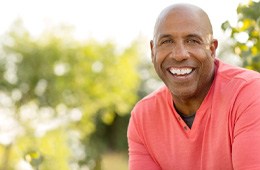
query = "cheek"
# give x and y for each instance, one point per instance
(159, 57)
(206, 63)
(156, 60)
(208, 68)
(205, 58)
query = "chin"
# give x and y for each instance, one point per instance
(182, 94)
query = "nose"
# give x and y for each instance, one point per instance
(180, 52)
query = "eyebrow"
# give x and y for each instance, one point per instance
(194, 36)
(164, 36)
(186, 36)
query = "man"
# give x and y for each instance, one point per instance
(207, 117)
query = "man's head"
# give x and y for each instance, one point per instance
(183, 50)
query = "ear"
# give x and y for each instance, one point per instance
(213, 47)
(152, 50)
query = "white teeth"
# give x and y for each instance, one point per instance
(183, 71)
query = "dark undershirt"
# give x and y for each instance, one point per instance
(188, 119)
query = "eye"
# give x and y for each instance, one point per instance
(193, 41)
(168, 41)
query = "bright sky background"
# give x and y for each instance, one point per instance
(119, 20)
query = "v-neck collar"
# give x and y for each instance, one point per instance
(200, 113)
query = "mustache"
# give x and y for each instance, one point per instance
(178, 64)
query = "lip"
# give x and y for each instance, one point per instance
(182, 78)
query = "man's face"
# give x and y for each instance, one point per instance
(183, 54)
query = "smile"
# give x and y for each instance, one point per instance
(180, 71)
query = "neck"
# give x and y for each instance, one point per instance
(187, 108)
(190, 104)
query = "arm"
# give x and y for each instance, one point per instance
(139, 158)
(246, 145)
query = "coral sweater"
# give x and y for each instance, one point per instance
(225, 133)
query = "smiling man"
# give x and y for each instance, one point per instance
(207, 116)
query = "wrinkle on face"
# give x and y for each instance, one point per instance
(184, 10)
(183, 39)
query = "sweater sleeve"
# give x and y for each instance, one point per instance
(139, 157)
(246, 144)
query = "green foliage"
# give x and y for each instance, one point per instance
(246, 34)
(59, 90)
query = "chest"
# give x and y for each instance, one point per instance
(207, 145)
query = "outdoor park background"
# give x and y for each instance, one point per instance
(70, 78)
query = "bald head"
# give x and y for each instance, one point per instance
(184, 12)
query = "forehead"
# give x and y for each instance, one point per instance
(178, 22)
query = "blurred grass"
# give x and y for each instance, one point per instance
(115, 161)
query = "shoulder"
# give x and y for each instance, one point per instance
(153, 102)
(235, 73)
(161, 92)
(234, 81)
(239, 86)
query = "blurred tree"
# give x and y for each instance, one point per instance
(54, 92)
(246, 34)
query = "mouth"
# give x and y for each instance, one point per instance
(181, 71)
